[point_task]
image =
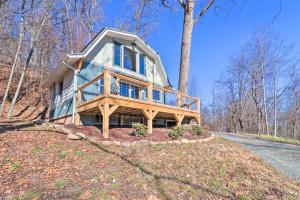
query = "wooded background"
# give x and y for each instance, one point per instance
(259, 92)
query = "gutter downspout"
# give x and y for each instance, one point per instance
(74, 90)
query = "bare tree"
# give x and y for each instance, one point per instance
(190, 20)
(141, 17)
(254, 85)
(21, 35)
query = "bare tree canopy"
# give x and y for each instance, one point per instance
(259, 91)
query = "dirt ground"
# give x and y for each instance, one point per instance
(46, 165)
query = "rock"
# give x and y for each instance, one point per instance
(65, 130)
(193, 141)
(176, 142)
(170, 142)
(125, 144)
(118, 143)
(185, 141)
(72, 136)
(106, 142)
(81, 135)
(143, 141)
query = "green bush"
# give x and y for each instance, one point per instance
(139, 129)
(176, 132)
(197, 130)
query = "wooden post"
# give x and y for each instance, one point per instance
(150, 116)
(106, 111)
(77, 119)
(150, 123)
(150, 91)
(78, 97)
(105, 120)
(107, 78)
(178, 99)
(179, 119)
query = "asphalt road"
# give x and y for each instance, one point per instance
(284, 157)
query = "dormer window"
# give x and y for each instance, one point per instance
(117, 54)
(129, 59)
(142, 64)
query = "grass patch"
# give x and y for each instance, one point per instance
(62, 155)
(60, 183)
(79, 154)
(15, 165)
(36, 150)
(279, 139)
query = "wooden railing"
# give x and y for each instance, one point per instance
(179, 100)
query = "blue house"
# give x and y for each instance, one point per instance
(115, 80)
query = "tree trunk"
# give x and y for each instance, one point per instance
(15, 59)
(186, 47)
(31, 51)
(10, 112)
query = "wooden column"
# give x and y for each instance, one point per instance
(179, 99)
(106, 110)
(150, 91)
(150, 115)
(179, 118)
(77, 119)
(107, 78)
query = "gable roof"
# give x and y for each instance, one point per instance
(71, 58)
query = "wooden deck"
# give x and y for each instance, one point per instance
(108, 103)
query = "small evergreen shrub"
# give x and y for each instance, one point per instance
(176, 132)
(197, 130)
(139, 129)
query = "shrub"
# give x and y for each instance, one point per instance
(139, 129)
(176, 132)
(197, 130)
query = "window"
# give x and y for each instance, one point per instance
(124, 89)
(117, 54)
(61, 88)
(134, 92)
(156, 95)
(129, 59)
(142, 64)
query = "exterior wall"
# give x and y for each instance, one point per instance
(103, 55)
(62, 105)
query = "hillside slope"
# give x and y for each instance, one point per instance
(32, 103)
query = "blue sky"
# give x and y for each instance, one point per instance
(218, 35)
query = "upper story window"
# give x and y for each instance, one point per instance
(142, 64)
(129, 59)
(156, 95)
(117, 54)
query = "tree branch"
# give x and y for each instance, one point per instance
(182, 4)
(165, 3)
(203, 11)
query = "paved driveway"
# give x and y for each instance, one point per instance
(285, 157)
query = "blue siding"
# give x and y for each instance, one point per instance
(87, 73)
(62, 109)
